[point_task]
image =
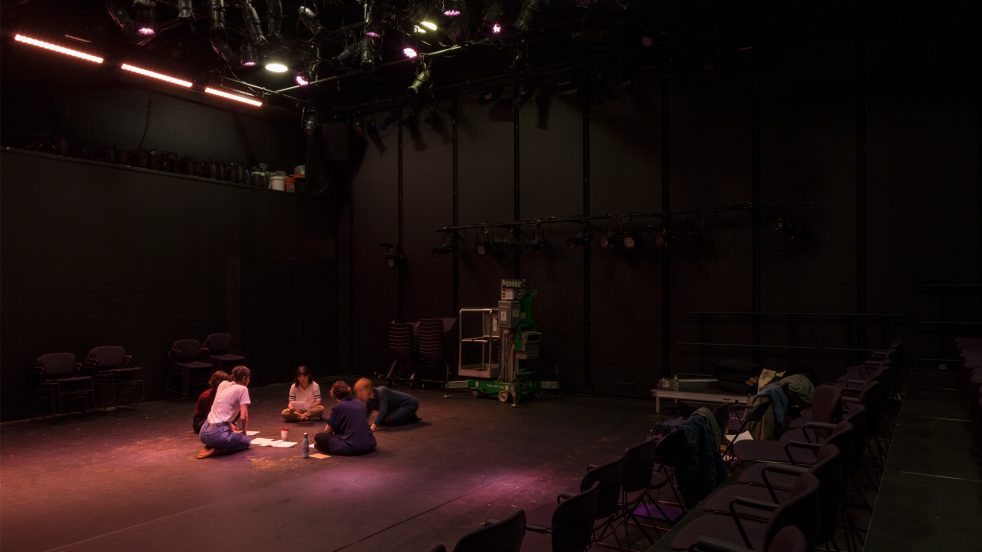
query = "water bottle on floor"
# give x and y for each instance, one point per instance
(305, 446)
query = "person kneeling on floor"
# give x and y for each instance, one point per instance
(394, 407)
(219, 433)
(347, 432)
(305, 398)
(206, 399)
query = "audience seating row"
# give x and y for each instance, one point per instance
(791, 494)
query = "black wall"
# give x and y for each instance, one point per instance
(890, 163)
(96, 254)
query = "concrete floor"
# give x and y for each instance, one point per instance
(931, 493)
(128, 480)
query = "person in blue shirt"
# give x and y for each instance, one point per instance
(347, 432)
(394, 407)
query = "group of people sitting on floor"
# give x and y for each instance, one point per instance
(221, 415)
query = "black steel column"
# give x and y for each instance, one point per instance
(400, 268)
(861, 190)
(587, 331)
(455, 195)
(517, 190)
(666, 274)
(755, 202)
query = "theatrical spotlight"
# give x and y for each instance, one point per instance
(146, 24)
(529, 9)
(491, 20)
(453, 8)
(410, 52)
(247, 55)
(185, 9)
(302, 78)
(631, 241)
(309, 120)
(581, 238)
(447, 247)
(422, 81)
(483, 242)
(375, 12)
(254, 27)
(274, 20)
(310, 20)
(394, 257)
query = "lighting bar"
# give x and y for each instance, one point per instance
(234, 97)
(155, 75)
(56, 48)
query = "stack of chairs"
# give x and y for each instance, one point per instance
(970, 353)
(106, 378)
(420, 352)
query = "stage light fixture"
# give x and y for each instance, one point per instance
(216, 16)
(448, 246)
(185, 9)
(630, 241)
(274, 20)
(410, 52)
(375, 12)
(422, 80)
(254, 27)
(247, 55)
(538, 243)
(310, 20)
(24, 39)
(302, 78)
(276, 67)
(155, 75)
(529, 9)
(146, 25)
(452, 8)
(369, 51)
(428, 25)
(248, 100)
(483, 243)
(309, 120)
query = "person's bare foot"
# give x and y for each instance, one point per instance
(205, 453)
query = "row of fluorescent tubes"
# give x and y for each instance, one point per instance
(136, 70)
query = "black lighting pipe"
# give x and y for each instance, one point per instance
(666, 273)
(755, 200)
(860, 185)
(400, 230)
(517, 174)
(586, 219)
(587, 271)
(455, 196)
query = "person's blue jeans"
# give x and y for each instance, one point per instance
(221, 438)
(405, 414)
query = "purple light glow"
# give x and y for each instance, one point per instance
(452, 12)
(410, 52)
(301, 80)
(496, 28)
(146, 31)
(248, 63)
(372, 34)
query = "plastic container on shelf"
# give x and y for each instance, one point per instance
(277, 181)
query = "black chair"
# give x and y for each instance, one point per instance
(217, 348)
(572, 524)
(401, 344)
(500, 536)
(609, 477)
(60, 378)
(743, 524)
(430, 350)
(118, 382)
(186, 366)
(789, 539)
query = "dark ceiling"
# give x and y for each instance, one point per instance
(567, 43)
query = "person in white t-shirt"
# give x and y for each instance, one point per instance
(305, 398)
(220, 433)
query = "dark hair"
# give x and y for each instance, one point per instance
(303, 371)
(218, 377)
(340, 390)
(240, 373)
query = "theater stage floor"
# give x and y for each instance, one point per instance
(129, 480)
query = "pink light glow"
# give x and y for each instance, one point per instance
(249, 64)
(410, 52)
(146, 31)
(372, 34)
(496, 28)
(451, 12)
(301, 80)
(155, 75)
(234, 97)
(58, 49)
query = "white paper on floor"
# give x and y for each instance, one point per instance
(251, 433)
(284, 444)
(262, 442)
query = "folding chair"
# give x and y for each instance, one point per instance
(117, 380)
(60, 378)
(500, 536)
